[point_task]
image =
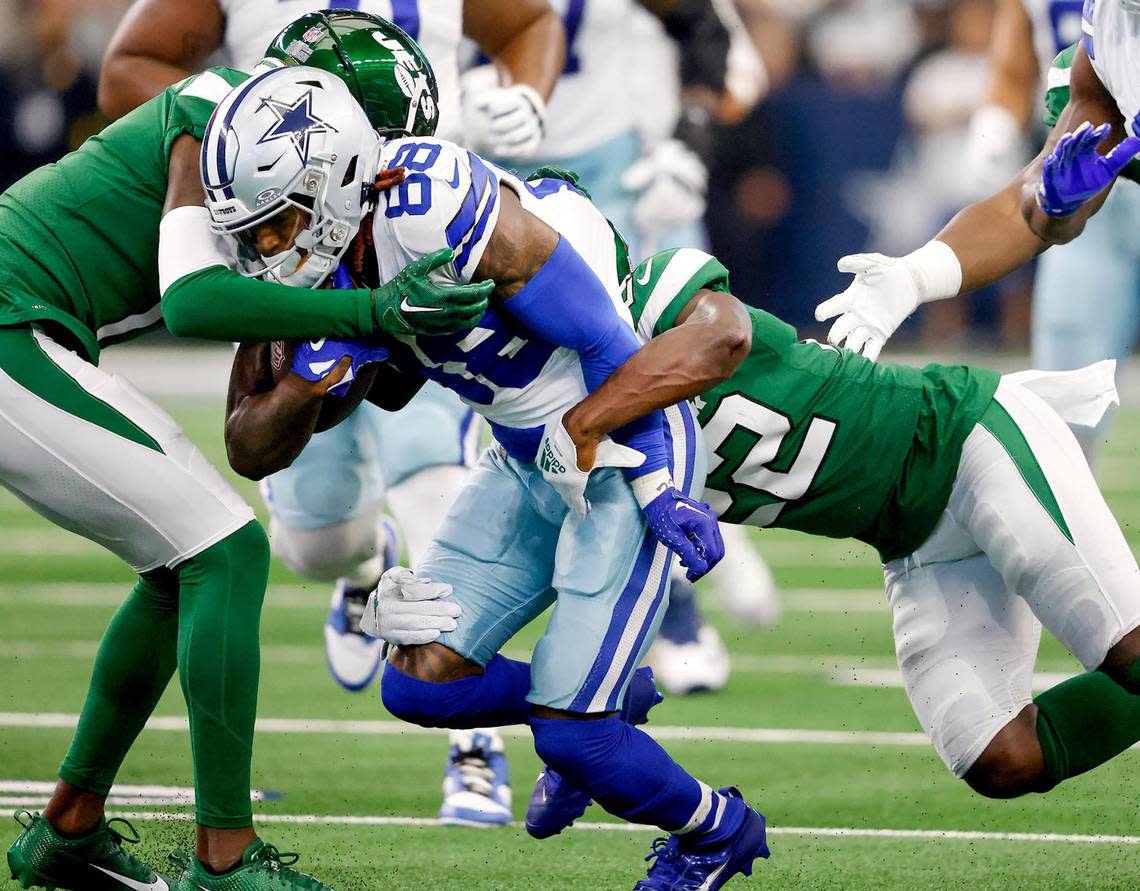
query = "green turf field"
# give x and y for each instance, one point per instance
(812, 727)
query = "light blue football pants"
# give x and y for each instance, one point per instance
(1087, 293)
(510, 548)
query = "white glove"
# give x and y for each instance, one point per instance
(406, 609)
(558, 461)
(886, 290)
(507, 122)
(995, 150)
(672, 181)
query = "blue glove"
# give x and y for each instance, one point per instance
(313, 359)
(688, 528)
(1076, 172)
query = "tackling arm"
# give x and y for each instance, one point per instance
(156, 44)
(711, 337)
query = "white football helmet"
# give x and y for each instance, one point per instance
(290, 137)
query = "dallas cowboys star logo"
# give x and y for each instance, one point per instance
(295, 122)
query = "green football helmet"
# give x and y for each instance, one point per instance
(385, 70)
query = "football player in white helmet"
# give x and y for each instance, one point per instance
(597, 549)
(332, 527)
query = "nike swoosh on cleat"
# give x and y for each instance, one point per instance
(648, 268)
(454, 181)
(407, 307)
(159, 884)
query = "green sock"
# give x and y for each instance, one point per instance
(132, 668)
(219, 615)
(1084, 722)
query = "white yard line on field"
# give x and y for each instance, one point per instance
(178, 724)
(810, 831)
(103, 594)
(852, 676)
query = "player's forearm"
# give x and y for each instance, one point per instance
(1013, 62)
(991, 239)
(536, 54)
(679, 364)
(218, 304)
(267, 431)
(127, 81)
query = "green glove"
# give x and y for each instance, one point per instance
(412, 303)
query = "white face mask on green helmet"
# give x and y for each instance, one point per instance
(289, 137)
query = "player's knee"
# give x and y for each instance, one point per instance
(1012, 764)
(419, 685)
(330, 552)
(1123, 662)
(242, 557)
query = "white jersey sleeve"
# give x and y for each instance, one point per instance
(448, 199)
(1112, 41)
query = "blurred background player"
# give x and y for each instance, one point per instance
(633, 115)
(327, 520)
(1086, 303)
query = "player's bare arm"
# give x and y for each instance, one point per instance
(1013, 62)
(519, 246)
(1089, 102)
(268, 424)
(712, 336)
(525, 39)
(156, 44)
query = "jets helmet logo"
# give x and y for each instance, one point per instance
(295, 122)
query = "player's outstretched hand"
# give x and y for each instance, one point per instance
(1076, 171)
(407, 610)
(688, 528)
(412, 303)
(561, 464)
(322, 360)
(672, 182)
(882, 295)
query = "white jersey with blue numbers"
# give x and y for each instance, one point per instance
(593, 100)
(451, 198)
(1112, 40)
(436, 25)
(1056, 26)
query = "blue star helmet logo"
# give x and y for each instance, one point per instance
(296, 122)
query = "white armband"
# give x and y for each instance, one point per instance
(937, 271)
(187, 244)
(647, 487)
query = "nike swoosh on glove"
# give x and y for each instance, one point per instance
(687, 527)
(313, 359)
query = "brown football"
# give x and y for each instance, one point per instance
(335, 408)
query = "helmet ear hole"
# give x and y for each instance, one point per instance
(350, 172)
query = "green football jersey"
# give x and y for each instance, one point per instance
(79, 238)
(811, 437)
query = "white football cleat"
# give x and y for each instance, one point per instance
(353, 656)
(688, 655)
(743, 581)
(477, 785)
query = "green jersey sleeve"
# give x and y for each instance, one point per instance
(658, 289)
(194, 100)
(218, 304)
(1057, 97)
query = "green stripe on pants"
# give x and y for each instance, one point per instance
(1004, 429)
(22, 359)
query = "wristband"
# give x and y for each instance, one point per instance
(936, 270)
(647, 487)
